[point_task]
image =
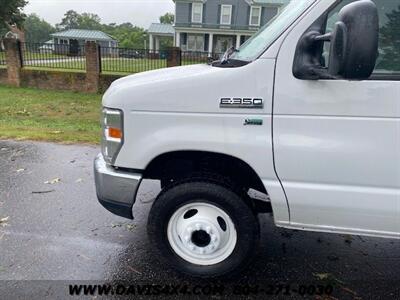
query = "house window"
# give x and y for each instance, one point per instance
(195, 42)
(197, 12)
(226, 14)
(63, 41)
(255, 16)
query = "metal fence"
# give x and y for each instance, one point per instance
(53, 56)
(3, 63)
(126, 60)
(112, 60)
(193, 57)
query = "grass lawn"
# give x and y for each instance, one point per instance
(71, 66)
(28, 55)
(109, 65)
(49, 61)
(35, 55)
(33, 114)
(127, 65)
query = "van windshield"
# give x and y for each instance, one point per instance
(257, 44)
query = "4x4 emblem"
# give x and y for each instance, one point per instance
(257, 103)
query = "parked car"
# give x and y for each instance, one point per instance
(320, 140)
(129, 53)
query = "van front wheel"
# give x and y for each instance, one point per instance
(203, 229)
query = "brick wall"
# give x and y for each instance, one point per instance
(58, 80)
(92, 67)
(174, 57)
(91, 81)
(13, 60)
(3, 76)
(54, 80)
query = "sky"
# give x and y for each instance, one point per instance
(138, 12)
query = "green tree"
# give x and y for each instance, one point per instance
(128, 35)
(37, 30)
(390, 42)
(89, 21)
(166, 42)
(168, 18)
(10, 14)
(74, 20)
(70, 20)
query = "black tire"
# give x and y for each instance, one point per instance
(245, 222)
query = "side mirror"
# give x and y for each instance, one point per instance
(353, 45)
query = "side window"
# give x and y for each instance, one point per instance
(195, 43)
(389, 35)
(226, 14)
(197, 12)
(255, 15)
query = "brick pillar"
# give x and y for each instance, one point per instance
(13, 60)
(174, 57)
(92, 53)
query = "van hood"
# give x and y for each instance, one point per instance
(153, 81)
(161, 75)
(194, 88)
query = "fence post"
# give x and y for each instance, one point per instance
(92, 53)
(174, 57)
(13, 60)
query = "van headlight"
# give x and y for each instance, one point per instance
(113, 137)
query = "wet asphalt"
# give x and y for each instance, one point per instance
(58, 234)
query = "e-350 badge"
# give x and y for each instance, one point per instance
(256, 103)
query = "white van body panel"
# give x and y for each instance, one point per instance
(177, 109)
(337, 148)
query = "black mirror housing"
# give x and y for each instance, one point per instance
(353, 45)
(359, 22)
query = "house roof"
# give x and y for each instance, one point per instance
(83, 34)
(163, 29)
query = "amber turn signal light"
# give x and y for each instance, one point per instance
(115, 133)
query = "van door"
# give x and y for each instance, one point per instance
(337, 142)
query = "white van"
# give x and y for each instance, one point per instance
(307, 112)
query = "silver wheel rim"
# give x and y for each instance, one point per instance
(202, 233)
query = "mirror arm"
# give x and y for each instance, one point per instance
(317, 73)
(324, 37)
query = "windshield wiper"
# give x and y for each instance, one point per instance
(228, 53)
(227, 62)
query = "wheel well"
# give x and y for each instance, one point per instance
(176, 165)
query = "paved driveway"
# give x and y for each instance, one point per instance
(58, 231)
